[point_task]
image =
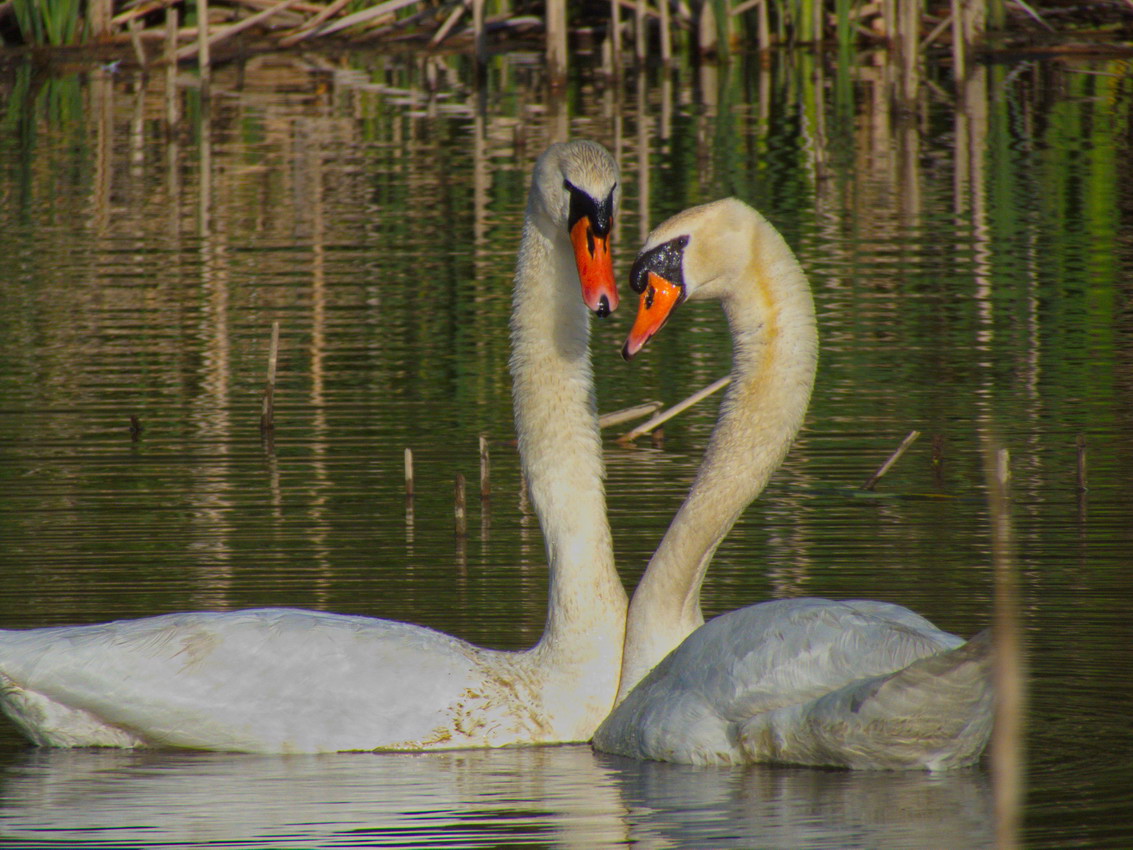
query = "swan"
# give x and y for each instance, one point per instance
(288, 681)
(859, 683)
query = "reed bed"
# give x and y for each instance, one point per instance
(171, 31)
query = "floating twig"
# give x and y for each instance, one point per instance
(679, 407)
(628, 414)
(893, 458)
(267, 408)
(135, 428)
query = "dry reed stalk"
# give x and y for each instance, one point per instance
(235, 29)
(450, 22)
(203, 57)
(367, 15)
(485, 470)
(555, 25)
(910, 438)
(136, 42)
(409, 474)
(628, 414)
(139, 11)
(459, 513)
(679, 407)
(267, 408)
(312, 26)
(300, 7)
(1007, 756)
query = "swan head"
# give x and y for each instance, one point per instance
(576, 189)
(695, 254)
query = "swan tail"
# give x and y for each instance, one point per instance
(935, 714)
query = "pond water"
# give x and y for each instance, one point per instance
(972, 265)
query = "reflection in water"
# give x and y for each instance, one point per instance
(560, 796)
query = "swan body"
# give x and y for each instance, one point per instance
(287, 680)
(858, 683)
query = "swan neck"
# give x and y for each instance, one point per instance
(775, 348)
(560, 446)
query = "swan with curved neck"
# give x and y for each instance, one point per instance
(287, 680)
(804, 681)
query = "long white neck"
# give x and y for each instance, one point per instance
(771, 316)
(559, 442)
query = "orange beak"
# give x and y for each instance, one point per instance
(657, 302)
(595, 268)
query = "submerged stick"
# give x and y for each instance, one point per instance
(893, 458)
(627, 414)
(679, 407)
(459, 508)
(485, 470)
(408, 474)
(267, 408)
(1081, 444)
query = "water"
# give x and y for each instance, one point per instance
(971, 276)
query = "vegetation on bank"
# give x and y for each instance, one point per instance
(170, 30)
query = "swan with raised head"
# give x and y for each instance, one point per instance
(287, 680)
(858, 683)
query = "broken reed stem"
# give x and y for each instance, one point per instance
(1007, 757)
(679, 407)
(628, 414)
(449, 23)
(485, 471)
(267, 408)
(409, 474)
(459, 508)
(871, 482)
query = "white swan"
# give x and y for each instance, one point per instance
(806, 681)
(284, 680)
